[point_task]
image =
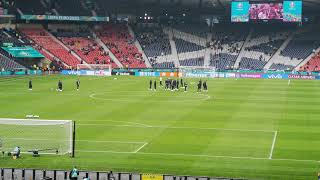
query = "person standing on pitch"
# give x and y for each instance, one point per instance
(160, 82)
(30, 85)
(185, 87)
(78, 84)
(150, 85)
(155, 85)
(60, 88)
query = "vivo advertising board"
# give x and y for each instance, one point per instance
(275, 76)
(86, 73)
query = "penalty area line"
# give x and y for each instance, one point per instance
(203, 155)
(273, 144)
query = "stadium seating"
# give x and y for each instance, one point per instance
(153, 41)
(121, 44)
(185, 46)
(281, 67)
(223, 61)
(85, 46)
(44, 40)
(163, 65)
(302, 45)
(192, 62)
(8, 64)
(313, 64)
(200, 30)
(252, 64)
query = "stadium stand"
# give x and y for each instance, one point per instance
(8, 64)
(121, 44)
(313, 64)
(45, 41)
(85, 46)
(199, 29)
(252, 64)
(192, 62)
(281, 67)
(153, 41)
(185, 46)
(168, 65)
(223, 61)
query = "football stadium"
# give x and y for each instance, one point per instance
(159, 89)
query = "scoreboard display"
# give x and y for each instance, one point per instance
(292, 11)
(285, 11)
(240, 11)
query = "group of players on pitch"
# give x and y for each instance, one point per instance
(176, 84)
(60, 85)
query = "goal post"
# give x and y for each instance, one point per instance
(45, 136)
(94, 69)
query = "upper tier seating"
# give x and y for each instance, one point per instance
(121, 44)
(44, 40)
(153, 41)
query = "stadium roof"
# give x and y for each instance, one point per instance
(223, 3)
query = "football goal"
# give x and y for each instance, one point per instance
(94, 69)
(45, 136)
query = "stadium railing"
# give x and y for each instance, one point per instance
(37, 174)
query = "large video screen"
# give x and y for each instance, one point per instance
(266, 11)
(292, 11)
(240, 11)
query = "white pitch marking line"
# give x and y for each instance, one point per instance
(120, 142)
(202, 155)
(273, 144)
(174, 127)
(141, 147)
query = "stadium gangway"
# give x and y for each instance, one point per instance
(37, 174)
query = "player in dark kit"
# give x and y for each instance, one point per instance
(155, 85)
(205, 87)
(199, 86)
(30, 85)
(60, 87)
(150, 85)
(178, 84)
(185, 87)
(78, 84)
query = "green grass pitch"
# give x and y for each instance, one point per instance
(245, 128)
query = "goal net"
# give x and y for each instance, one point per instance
(94, 69)
(202, 72)
(45, 136)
